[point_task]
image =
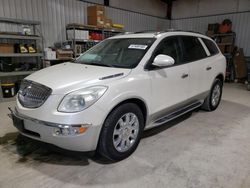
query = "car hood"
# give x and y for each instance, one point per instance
(67, 77)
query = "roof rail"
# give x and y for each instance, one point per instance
(158, 32)
(138, 32)
(164, 31)
(124, 33)
(146, 31)
(169, 30)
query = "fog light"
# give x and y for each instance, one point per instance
(65, 131)
(57, 131)
(69, 130)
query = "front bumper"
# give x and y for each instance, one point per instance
(46, 132)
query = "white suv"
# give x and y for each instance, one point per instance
(128, 83)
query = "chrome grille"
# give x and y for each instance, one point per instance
(32, 94)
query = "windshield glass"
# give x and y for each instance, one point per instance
(122, 53)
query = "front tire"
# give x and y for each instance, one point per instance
(121, 132)
(213, 99)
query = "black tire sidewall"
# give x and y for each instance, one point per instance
(106, 146)
(216, 82)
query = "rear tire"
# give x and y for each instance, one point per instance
(213, 99)
(121, 132)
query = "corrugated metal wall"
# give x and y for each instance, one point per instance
(240, 21)
(55, 14)
(150, 7)
(196, 8)
(137, 22)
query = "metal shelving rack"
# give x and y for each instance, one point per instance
(37, 39)
(106, 32)
(21, 55)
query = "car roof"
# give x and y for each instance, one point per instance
(157, 34)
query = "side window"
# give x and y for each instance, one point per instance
(211, 46)
(170, 46)
(193, 49)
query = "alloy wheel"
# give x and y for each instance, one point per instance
(216, 95)
(125, 132)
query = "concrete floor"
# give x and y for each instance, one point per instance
(200, 150)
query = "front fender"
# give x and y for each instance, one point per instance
(126, 90)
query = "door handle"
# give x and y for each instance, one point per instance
(208, 68)
(184, 75)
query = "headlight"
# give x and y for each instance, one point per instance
(81, 99)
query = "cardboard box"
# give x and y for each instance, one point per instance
(210, 32)
(50, 55)
(97, 10)
(96, 15)
(6, 48)
(98, 21)
(213, 27)
(84, 34)
(240, 64)
(108, 23)
(79, 34)
(227, 39)
(64, 54)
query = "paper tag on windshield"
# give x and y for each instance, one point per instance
(137, 46)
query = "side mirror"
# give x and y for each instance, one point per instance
(163, 61)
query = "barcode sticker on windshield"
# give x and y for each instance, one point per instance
(137, 46)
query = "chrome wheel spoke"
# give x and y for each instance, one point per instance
(123, 144)
(133, 119)
(128, 143)
(118, 141)
(127, 118)
(133, 136)
(135, 124)
(121, 122)
(118, 132)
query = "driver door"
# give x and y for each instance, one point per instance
(169, 84)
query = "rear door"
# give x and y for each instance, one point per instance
(195, 56)
(213, 61)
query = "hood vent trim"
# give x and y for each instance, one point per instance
(111, 76)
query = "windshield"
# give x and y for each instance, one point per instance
(122, 53)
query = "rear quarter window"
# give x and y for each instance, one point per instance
(211, 46)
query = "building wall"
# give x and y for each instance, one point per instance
(151, 7)
(137, 22)
(56, 14)
(194, 8)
